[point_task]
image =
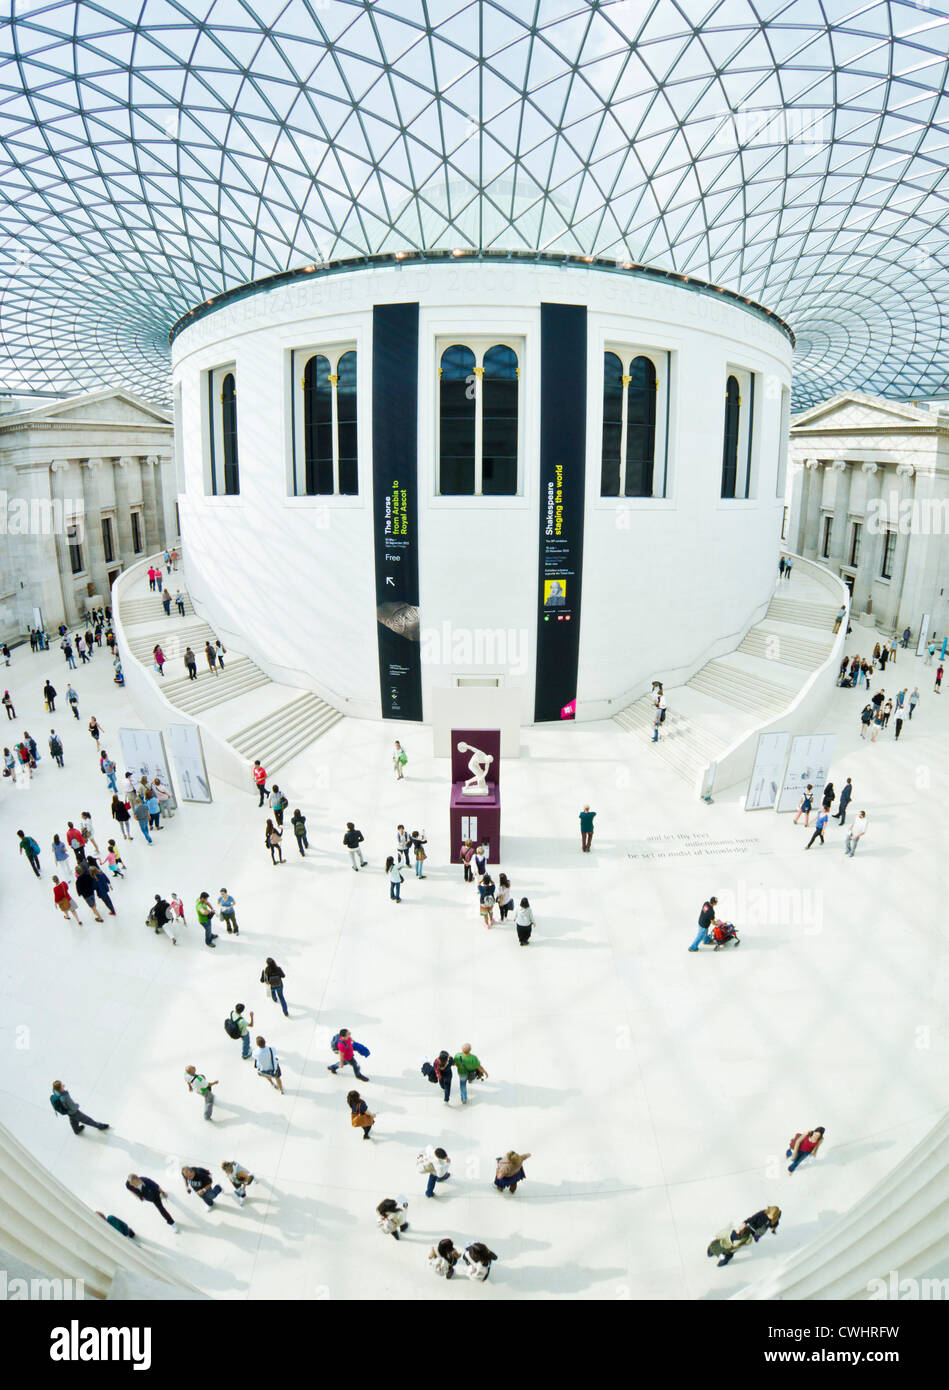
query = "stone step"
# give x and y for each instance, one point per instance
(741, 689)
(802, 613)
(280, 736)
(150, 610)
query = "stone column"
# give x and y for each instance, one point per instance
(121, 474)
(150, 514)
(840, 531)
(815, 486)
(91, 472)
(871, 551)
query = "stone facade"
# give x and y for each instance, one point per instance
(869, 497)
(87, 486)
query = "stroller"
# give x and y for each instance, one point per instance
(722, 933)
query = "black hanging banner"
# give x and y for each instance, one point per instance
(395, 507)
(563, 399)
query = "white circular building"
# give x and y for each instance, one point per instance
(558, 475)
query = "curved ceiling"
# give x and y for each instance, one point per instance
(155, 154)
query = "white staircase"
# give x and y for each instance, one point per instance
(683, 744)
(280, 736)
(240, 674)
(149, 609)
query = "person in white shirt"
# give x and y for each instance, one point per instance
(524, 922)
(856, 833)
(659, 716)
(390, 1216)
(85, 825)
(443, 1258)
(268, 1064)
(437, 1164)
(478, 1260)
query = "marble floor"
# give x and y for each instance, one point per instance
(655, 1090)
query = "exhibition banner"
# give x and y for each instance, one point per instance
(923, 642)
(143, 754)
(808, 765)
(191, 773)
(563, 394)
(768, 773)
(395, 506)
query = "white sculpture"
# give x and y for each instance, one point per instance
(478, 764)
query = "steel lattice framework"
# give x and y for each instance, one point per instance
(155, 154)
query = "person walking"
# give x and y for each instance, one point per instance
(487, 900)
(278, 804)
(504, 896)
(751, 1230)
(403, 842)
(56, 748)
(66, 647)
(140, 812)
(939, 672)
(878, 723)
(913, 701)
(114, 861)
(298, 826)
(108, 771)
(437, 1165)
(399, 759)
(468, 1068)
(147, 1190)
(822, 818)
(394, 875)
(390, 1216)
(524, 922)
(272, 839)
(659, 717)
(829, 796)
(268, 1064)
(840, 617)
(86, 888)
(60, 852)
(191, 664)
(227, 904)
(706, 918)
(897, 726)
(200, 1182)
(259, 774)
(73, 701)
(95, 733)
(510, 1171)
(352, 839)
(166, 602)
(120, 814)
(85, 823)
(49, 695)
(221, 652)
(240, 1178)
(856, 833)
(205, 914)
(467, 854)
(846, 792)
(806, 806)
(802, 1145)
(346, 1047)
(930, 653)
(477, 1261)
(240, 1028)
(418, 842)
(443, 1067)
(273, 977)
(200, 1085)
(587, 818)
(158, 656)
(360, 1116)
(866, 719)
(177, 909)
(180, 602)
(63, 1103)
(781, 568)
(31, 849)
(887, 711)
(7, 703)
(443, 1258)
(161, 919)
(100, 883)
(63, 901)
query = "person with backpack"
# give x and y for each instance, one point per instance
(31, 849)
(205, 914)
(390, 1217)
(806, 806)
(268, 1064)
(240, 1178)
(273, 977)
(524, 922)
(478, 1260)
(436, 1164)
(706, 918)
(394, 875)
(278, 804)
(352, 839)
(510, 1171)
(486, 895)
(803, 1144)
(402, 844)
(236, 1027)
(469, 1069)
(346, 1048)
(259, 773)
(399, 759)
(107, 768)
(418, 843)
(200, 1085)
(63, 1103)
(298, 826)
(360, 1116)
(55, 748)
(823, 816)
(443, 1258)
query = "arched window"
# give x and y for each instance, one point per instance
(640, 427)
(456, 421)
(499, 423)
(232, 484)
(730, 448)
(317, 426)
(346, 431)
(612, 425)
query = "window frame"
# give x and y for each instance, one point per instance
(108, 538)
(334, 351)
(135, 526)
(856, 540)
(215, 482)
(888, 555)
(479, 344)
(748, 427)
(827, 535)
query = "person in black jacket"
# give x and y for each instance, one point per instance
(147, 1190)
(443, 1069)
(273, 977)
(706, 918)
(352, 840)
(845, 794)
(200, 1182)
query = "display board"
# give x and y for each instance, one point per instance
(395, 507)
(923, 641)
(808, 763)
(191, 774)
(143, 754)
(563, 378)
(767, 776)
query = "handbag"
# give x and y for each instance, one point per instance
(363, 1121)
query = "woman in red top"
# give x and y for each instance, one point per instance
(63, 901)
(804, 1144)
(467, 854)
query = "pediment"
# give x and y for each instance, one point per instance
(107, 407)
(853, 412)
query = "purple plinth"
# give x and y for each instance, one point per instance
(484, 811)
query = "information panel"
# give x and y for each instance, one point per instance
(808, 765)
(768, 775)
(395, 510)
(191, 774)
(563, 376)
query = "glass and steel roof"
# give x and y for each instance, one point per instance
(154, 154)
